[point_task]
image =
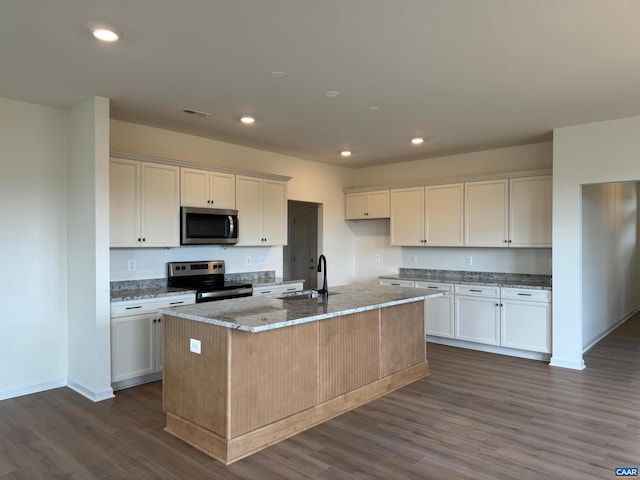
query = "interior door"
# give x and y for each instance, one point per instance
(300, 255)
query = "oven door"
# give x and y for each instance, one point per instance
(207, 226)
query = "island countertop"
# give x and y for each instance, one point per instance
(257, 314)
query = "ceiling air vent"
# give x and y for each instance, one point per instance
(197, 113)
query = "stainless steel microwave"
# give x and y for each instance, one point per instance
(208, 226)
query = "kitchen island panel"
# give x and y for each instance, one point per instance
(272, 375)
(402, 336)
(349, 351)
(195, 385)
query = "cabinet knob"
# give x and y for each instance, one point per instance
(139, 239)
(154, 320)
(509, 241)
(144, 239)
(506, 241)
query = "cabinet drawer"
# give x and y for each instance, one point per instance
(528, 294)
(435, 286)
(478, 291)
(276, 289)
(149, 305)
(397, 283)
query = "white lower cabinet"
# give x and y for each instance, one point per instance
(439, 311)
(526, 319)
(518, 318)
(477, 314)
(136, 339)
(272, 290)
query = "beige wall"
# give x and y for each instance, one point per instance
(537, 156)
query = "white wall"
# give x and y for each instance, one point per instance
(584, 154)
(372, 237)
(311, 182)
(609, 257)
(33, 247)
(89, 311)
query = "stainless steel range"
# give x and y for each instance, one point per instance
(207, 279)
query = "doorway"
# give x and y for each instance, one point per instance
(300, 253)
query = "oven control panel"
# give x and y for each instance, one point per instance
(180, 269)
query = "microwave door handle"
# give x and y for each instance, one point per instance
(232, 226)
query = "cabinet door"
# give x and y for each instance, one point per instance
(132, 346)
(222, 190)
(160, 205)
(477, 319)
(249, 205)
(439, 311)
(487, 213)
(526, 325)
(355, 206)
(407, 216)
(158, 344)
(378, 204)
(124, 203)
(274, 213)
(444, 215)
(194, 191)
(530, 212)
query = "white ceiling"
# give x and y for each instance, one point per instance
(466, 74)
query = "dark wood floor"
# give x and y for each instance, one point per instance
(478, 416)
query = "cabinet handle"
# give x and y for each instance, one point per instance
(506, 241)
(159, 320)
(396, 284)
(265, 291)
(176, 303)
(474, 290)
(144, 239)
(139, 239)
(154, 320)
(509, 241)
(291, 289)
(133, 308)
(524, 294)
(432, 287)
(501, 305)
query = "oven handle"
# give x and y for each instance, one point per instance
(222, 294)
(232, 226)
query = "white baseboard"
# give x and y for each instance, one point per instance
(609, 330)
(566, 363)
(94, 396)
(35, 388)
(512, 352)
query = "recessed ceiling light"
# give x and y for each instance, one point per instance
(105, 34)
(331, 94)
(247, 120)
(417, 140)
(278, 75)
(345, 153)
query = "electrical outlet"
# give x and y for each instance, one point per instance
(195, 346)
(468, 260)
(414, 259)
(377, 257)
(247, 261)
(131, 265)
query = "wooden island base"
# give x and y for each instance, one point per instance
(247, 391)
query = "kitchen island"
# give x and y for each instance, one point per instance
(243, 374)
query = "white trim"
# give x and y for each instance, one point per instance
(202, 166)
(610, 329)
(481, 347)
(565, 363)
(90, 394)
(35, 388)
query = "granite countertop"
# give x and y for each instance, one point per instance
(509, 280)
(144, 293)
(257, 314)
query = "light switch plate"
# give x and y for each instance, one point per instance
(195, 346)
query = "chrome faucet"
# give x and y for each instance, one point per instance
(324, 290)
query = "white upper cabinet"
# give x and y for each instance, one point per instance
(367, 205)
(487, 213)
(144, 203)
(428, 216)
(407, 216)
(444, 215)
(530, 211)
(206, 189)
(262, 211)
